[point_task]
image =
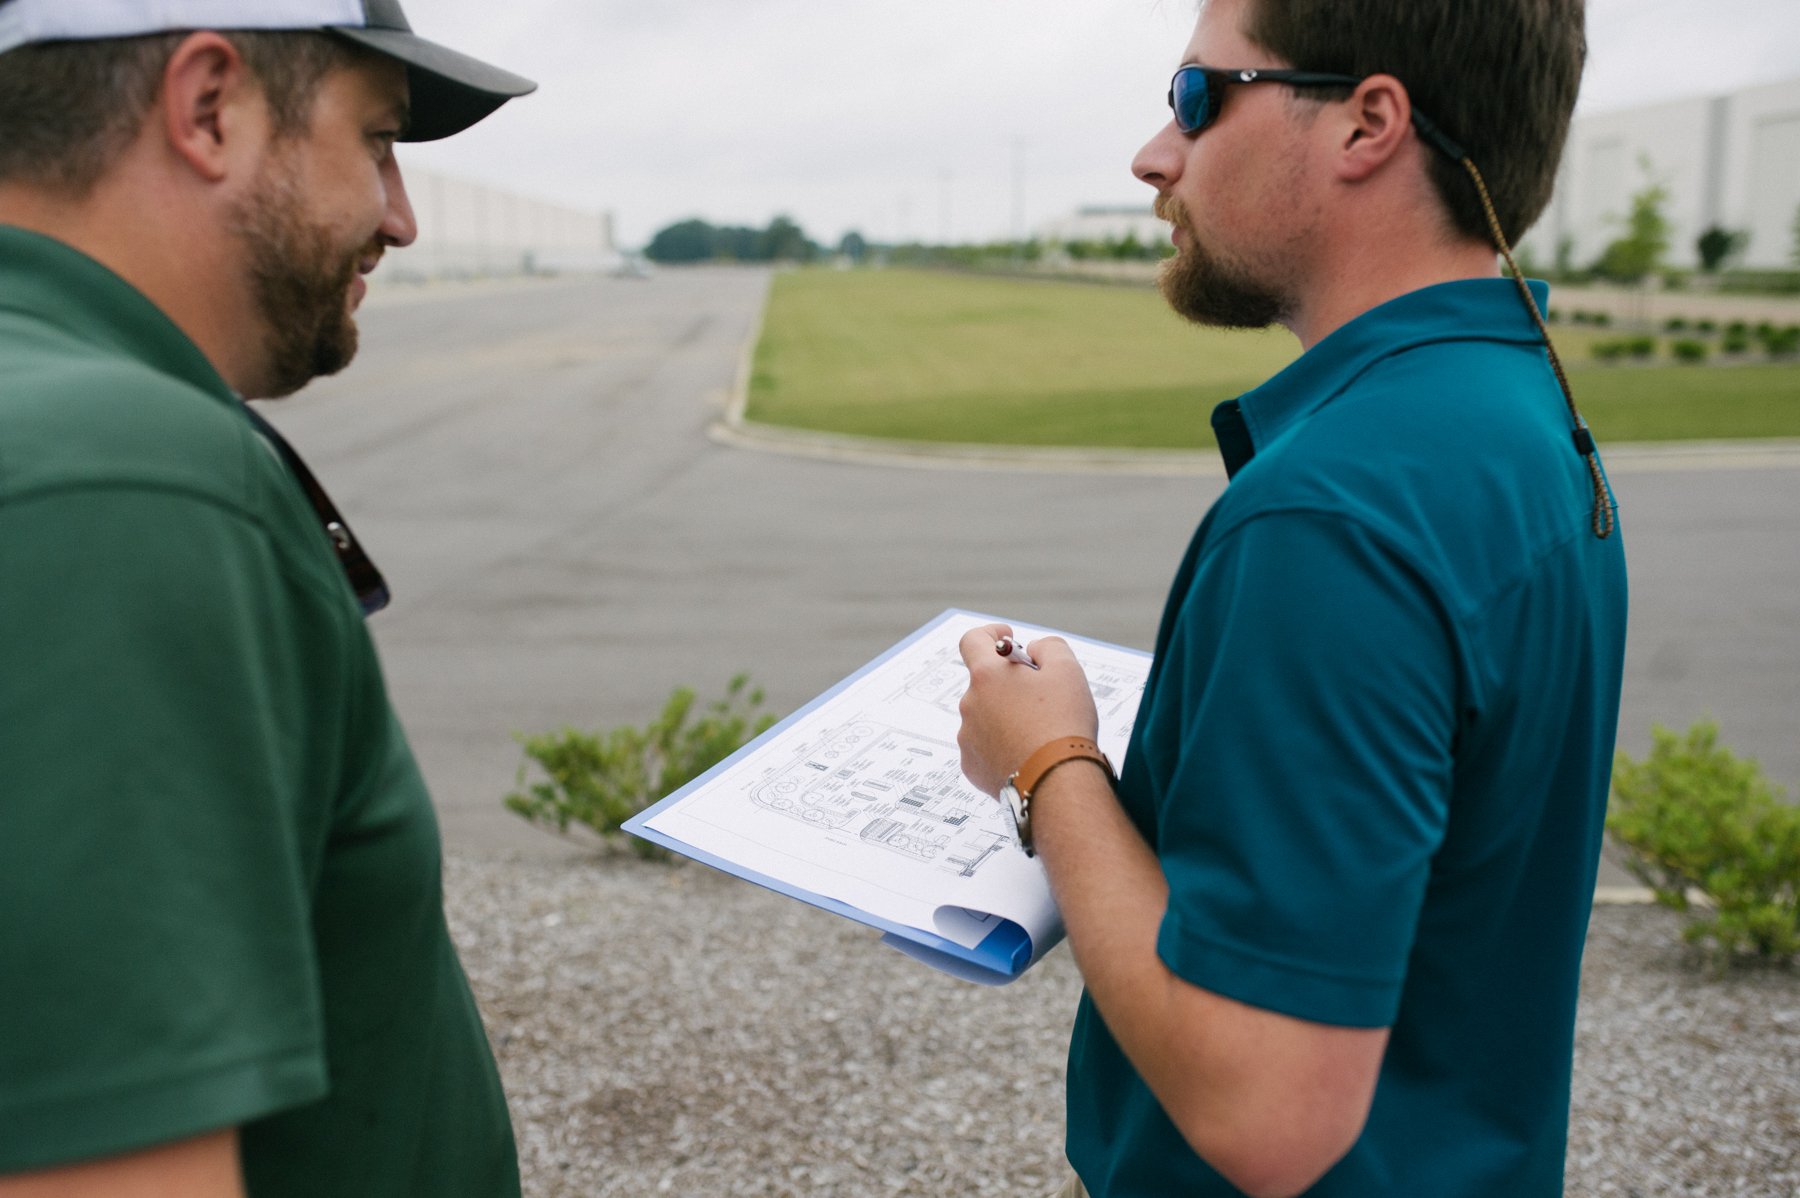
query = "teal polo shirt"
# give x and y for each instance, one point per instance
(220, 891)
(1373, 753)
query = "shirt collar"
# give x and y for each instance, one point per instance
(45, 281)
(1464, 310)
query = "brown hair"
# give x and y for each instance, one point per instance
(68, 109)
(1499, 77)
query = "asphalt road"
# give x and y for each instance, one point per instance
(529, 463)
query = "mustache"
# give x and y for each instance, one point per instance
(1171, 209)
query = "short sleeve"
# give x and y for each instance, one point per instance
(1309, 781)
(157, 767)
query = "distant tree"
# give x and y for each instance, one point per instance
(784, 241)
(1565, 255)
(1128, 247)
(853, 246)
(1633, 257)
(684, 241)
(698, 241)
(1716, 246)
(736, 243)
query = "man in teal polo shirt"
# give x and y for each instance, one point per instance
(1331, 918)
(224, 966)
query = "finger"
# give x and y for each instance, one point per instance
(977, 644)
(1050, 648)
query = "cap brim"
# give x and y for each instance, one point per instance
(450, 91)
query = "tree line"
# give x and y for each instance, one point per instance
(698, 241)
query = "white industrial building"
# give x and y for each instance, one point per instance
(469, 230)
(1730, 161)
(1107, 222)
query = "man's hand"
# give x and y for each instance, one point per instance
(1011, 710)
(205, 1167)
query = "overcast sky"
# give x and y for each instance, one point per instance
(933, 119)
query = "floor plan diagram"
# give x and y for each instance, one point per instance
(895, 789)
(858, 802)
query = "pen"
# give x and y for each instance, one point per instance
(1013, 650)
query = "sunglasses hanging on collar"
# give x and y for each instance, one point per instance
(371, 588)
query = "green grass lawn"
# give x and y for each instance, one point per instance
(928, 356)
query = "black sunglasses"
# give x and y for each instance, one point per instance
(370, 587)
(1197, 93)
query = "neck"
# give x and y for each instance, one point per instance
(1370, 272)
(164, 245)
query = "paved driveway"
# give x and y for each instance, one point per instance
(530, 464)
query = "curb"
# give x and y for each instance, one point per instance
(736, 431)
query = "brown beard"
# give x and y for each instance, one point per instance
(301, 281)
(1208, 289)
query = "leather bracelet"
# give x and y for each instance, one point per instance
(1025, 780)
(1064, 748)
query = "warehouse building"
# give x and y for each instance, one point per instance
(470, 230)
(1730, 161)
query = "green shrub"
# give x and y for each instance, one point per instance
(603, 779)
(1706, 326)
(1603, 319)
(1641, 347)
(1737, 328)
(1675, 324)
(1779, 343)
(1735, 341)
(1688, 350)
(1607, 351)
(1694, 817)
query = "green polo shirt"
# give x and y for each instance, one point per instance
(220, 895)
(1373, 752)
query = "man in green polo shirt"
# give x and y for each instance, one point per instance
(1331, 917)
(224, 967)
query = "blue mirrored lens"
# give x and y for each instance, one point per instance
(1191, 99)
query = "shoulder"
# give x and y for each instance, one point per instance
(92, 445)
(1456, 455)
(106, 421)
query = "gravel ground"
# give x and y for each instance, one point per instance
(669, 1030)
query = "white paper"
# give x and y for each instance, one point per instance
(861, 798)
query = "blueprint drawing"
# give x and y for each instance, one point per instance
(860, 797)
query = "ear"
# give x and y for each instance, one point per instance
(212, 111)
(1373, 127)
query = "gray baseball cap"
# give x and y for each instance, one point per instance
(450, 90)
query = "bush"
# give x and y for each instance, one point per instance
(1641, 347)
(1688, 350)
(1735, 341)
(1780, 343)
(1694, 817)
(1708, 327)
(1676, 324)
(1762, 282)
(603, 779)
(1607, 351)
